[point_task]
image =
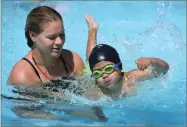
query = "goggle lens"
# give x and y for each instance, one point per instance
(108, 69)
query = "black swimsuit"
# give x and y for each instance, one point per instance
(58, 85)
(37, 71)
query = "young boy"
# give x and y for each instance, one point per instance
(106, 66)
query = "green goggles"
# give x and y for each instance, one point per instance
(107, 69)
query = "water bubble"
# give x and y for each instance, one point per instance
(123, 113)
(121, 106)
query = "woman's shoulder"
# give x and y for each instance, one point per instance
(74, 60)
(21, 73)
(68, 53)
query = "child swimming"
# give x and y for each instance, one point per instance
(106, 66)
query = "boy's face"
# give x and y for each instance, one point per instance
(107, 80)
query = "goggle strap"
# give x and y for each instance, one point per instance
(116, 65)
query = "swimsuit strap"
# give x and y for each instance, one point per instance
(33, 68)
(65, 64)
(39, 67)
(63, 61)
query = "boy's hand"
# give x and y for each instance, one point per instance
(92, 24)
(143, 63)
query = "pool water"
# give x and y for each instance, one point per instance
(135, 29)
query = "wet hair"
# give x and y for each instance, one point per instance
(36, 20)
(104, 52)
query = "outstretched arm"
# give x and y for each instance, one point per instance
(92, 34)
(149, 68)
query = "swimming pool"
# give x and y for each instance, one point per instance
(135, 29)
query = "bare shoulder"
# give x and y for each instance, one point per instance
(74, 60)
(21, 74)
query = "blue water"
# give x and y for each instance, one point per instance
(135, 29)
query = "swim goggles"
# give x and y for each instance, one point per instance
(107, 69)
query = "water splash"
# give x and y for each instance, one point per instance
(164, 8)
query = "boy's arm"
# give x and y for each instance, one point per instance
(92, 35)
(149, 68)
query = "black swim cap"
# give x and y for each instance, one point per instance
(104, 52)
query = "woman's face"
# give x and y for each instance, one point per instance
(52, 39)
(107, 80)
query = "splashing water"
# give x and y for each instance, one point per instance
(156, 100)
